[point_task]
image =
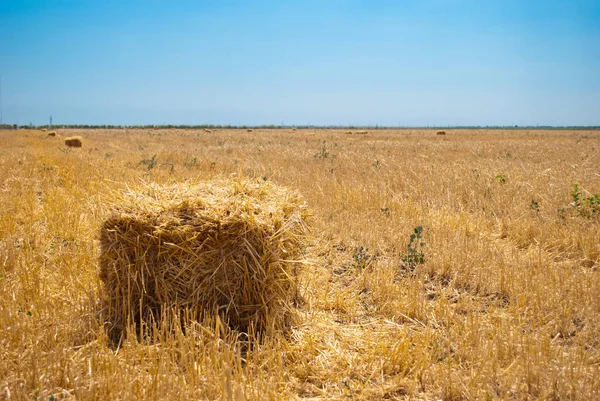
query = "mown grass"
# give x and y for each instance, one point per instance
(504, 306)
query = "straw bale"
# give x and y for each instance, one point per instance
(226, 248)
(73, 141)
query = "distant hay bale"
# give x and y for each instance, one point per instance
(226, 248)
(73, 141)
(52, 133)
(441, 133)
(249, 130)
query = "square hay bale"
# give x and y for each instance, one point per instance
(74, 141)
(226, 248)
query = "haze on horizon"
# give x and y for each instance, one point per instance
(404, 63)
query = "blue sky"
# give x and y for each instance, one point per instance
(430, 62)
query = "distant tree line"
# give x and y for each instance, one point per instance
(272, 126)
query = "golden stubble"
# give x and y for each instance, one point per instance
(505, 305)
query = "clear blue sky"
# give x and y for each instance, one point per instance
(433, 62)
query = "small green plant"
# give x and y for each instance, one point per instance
(323, 153)
(415, 255)
(586, 206)
(576, 195)
(534, 205)
(562, 212)
(590, 206)
(593, 202)
(502, 178)
(149, 163)
(362, 258)
(190, 162)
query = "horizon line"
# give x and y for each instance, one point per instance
(292, 126)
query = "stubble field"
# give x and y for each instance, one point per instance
(495, 296)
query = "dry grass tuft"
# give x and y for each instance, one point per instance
(227, 248)
(74, 141)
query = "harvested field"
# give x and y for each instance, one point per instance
(466, 267)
